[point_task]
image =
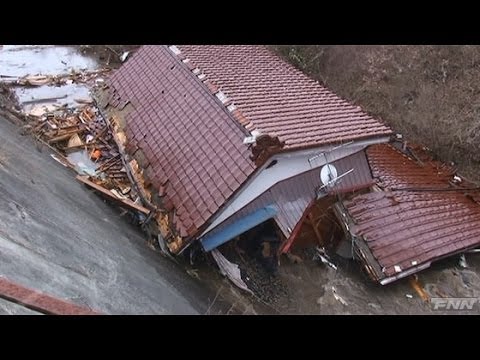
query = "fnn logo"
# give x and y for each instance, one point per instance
(454, 303)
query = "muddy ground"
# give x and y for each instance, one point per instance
(308, 287)
(364, 297)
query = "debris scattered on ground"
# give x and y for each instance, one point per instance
(83, 139)
(322, 255)
(84, 142)
(415, 283)
(338, 297)
(61, 160)
(409, 296)
(231, 270)
(124, 201)
(193, 273)
(56, 80)
(375, 306)
(463, 262)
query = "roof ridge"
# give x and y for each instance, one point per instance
(264, 145)
(215, 90)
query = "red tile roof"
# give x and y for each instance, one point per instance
(189, 140)
(278, 99)
(193, 140)
(420, 216)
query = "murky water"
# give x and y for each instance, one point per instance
(23, 60)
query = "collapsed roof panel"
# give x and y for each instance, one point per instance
(418, 216)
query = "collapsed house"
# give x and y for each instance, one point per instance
(418, 211)
(224, 139)
(232, 142)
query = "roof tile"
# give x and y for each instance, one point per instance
(265, 88)
(418, 217)
(187, 127)
(174, 109)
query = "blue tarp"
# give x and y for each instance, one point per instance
(217, 238)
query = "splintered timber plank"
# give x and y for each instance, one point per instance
(124, 202)
(65, 136)
(415, 284)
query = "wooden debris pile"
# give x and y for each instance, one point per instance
(54, 80)
(84, 140)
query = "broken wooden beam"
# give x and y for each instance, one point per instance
(45, 100)
(78, 146)
(124, 202)
(415, 284)
(65, 136)
(112, 162)
(315, 230)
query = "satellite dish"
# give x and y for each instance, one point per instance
(328, 174)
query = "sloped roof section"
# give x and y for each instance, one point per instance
(193, 145)
(194, 106)
(420, 215)
(268, 94)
